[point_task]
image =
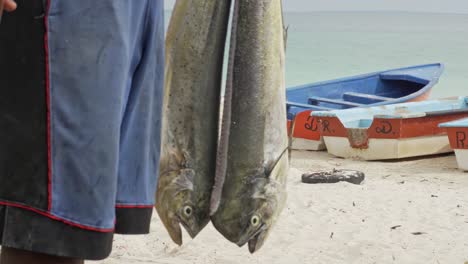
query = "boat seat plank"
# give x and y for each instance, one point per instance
(307, 106)
(353, 96)
(315, 100)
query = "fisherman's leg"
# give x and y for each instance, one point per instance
(140, 133)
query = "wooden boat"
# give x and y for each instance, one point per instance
(379, 88)
(458, 136)
(390, 131)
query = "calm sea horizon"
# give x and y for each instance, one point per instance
(329, 45)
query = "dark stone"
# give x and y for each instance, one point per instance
(335, 176)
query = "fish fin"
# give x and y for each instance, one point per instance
(274, 166)
(285, 28)
(185, 181)
(273, 186)
(222, 152)
(285, 37)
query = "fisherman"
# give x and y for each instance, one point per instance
(80, 118)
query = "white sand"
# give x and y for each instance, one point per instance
(424, 195)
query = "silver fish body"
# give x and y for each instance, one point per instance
(250, 188)
(194, 60)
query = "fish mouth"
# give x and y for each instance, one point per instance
(172, 225)
(193, 232)
(252, 239)
(253, 243)
(257, 241)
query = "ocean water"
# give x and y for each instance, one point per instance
(328, 45)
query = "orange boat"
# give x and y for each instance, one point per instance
(391, 131)
(458, 136)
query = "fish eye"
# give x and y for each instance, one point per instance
(188, 210)
(255, 221)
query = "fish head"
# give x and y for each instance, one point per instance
(266, 202)
(250, 219)
(265, 206)
(176, 205)
(252, 199)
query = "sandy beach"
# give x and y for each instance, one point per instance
(405, 212)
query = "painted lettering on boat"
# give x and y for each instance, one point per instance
(306, 126)
(331, 126)
(385, 128)
(326, 126)
(458, 137)
(311, 124)
(461, 137)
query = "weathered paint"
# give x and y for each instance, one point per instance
(388, 149)
(387, 128)
(306, 144)
(423, 97)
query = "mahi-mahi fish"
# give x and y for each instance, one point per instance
(250, 188)
(194, 60)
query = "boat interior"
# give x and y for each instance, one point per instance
(371, 89)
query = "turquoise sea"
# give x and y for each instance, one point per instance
(328, 45)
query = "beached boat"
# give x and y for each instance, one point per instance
(458, 136)
(379, 88)
(390, 131)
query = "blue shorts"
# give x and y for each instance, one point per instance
(80, 118)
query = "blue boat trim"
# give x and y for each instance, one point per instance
(360, 96)
(307, 106)
(314, 100)
(372, 89)
(458, 123)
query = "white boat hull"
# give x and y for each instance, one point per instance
(308, 144)
(385, 149)
(462, 158)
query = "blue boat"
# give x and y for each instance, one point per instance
(402, 85)
(379, 88)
